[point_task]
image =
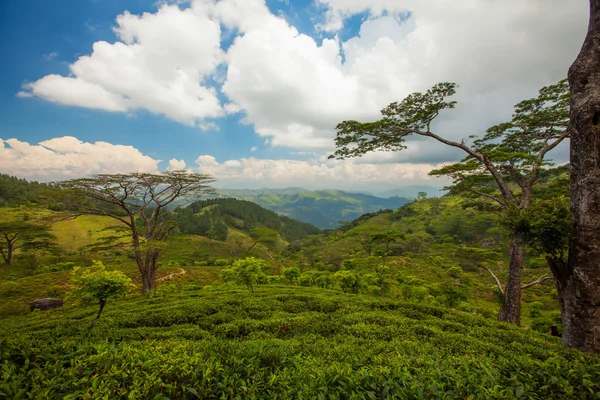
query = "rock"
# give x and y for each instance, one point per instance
(45, 304)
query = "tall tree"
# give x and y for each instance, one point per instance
(501, 167)
(142, 197)
(580, 279)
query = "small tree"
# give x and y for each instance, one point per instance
(247, 272)
(385, 240)
(349, 282)
(142, 202)
(25, 236)
(97, 284)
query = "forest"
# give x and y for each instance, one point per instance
(155, 286)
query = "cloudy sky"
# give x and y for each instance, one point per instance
(250, 91)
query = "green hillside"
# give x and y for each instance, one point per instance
(318, 326)
(287, 342)
(322, 208)
(217, 215)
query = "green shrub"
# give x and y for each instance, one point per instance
(164, 290)
(200, 263)
(305, 280)
(61, 266)
(291, 274)
(272, 279)
(54, 291)
(349, 282)
(535, 309)
(455, 272)
(191, 288)
(173, 263)
(325, 280)
(221, 262)
(227, 275)
(9, 288)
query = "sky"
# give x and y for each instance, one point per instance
(250, 91)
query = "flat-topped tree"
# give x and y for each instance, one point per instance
(142, 202)
(26, 236)
(500, 169)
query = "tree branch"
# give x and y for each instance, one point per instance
(489, 196)
(541, 279)
(500, 287)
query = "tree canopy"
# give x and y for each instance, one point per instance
(143, 202)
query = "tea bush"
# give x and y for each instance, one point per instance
(286, 342)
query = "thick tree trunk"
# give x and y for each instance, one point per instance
(148, 281)
(581, 294)
(511, 311)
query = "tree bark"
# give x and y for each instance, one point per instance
(511, 311)
(148, 281)
(581, 294)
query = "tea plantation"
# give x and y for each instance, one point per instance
(287, 342)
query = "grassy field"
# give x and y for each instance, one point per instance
(287, 342)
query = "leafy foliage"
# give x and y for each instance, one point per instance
(245, 272)
(95, 283)
(282, 342)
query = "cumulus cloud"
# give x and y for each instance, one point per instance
(160, 64)
(315, 174)
(68, 157)
(295, 90)
(175, 165)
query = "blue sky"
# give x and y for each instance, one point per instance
(251, 91)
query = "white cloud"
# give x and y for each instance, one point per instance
(68, 157)
(253, 148)
(295, 90)
(176, 165)
(160, 65)
(315, 174)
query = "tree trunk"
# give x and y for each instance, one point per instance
(95, 321)
(511, 311)
(9, 254)
(581, 294)
(148, 281)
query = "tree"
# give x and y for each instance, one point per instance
(25, 236)
(246, 272)
(500, 168)
(97, 284)
(142, 197)
(580, 279)
(265, 236)
(385, 240)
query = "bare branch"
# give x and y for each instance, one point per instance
(500, 287)
(543, 278)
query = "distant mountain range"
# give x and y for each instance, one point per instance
(322, 208)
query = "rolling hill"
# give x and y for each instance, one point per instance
(322, 208)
